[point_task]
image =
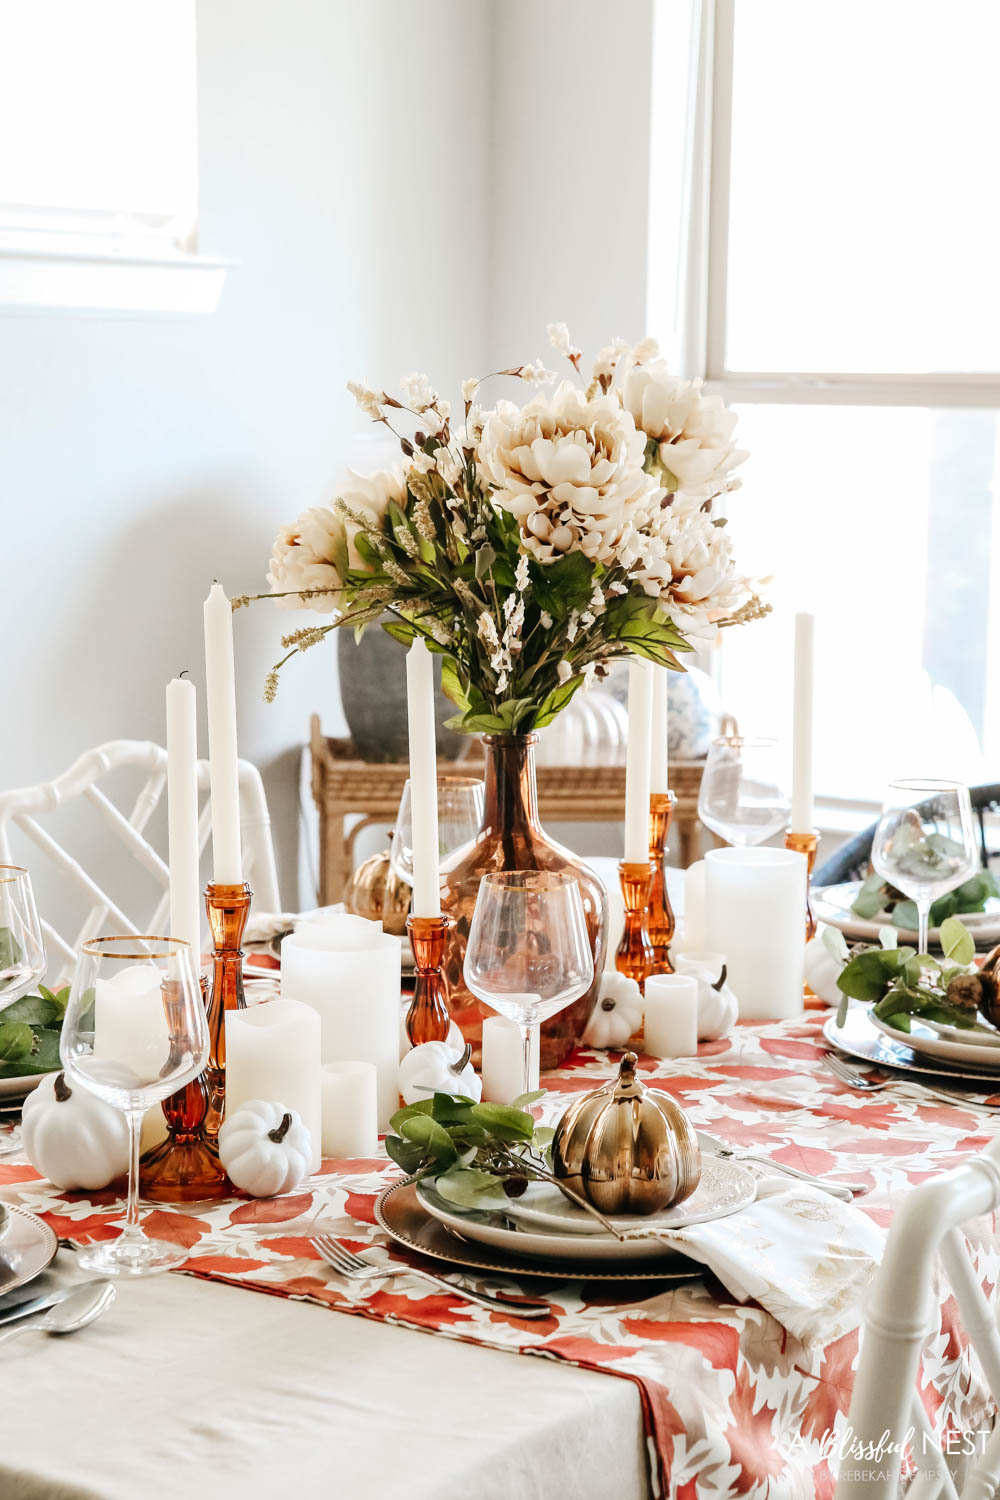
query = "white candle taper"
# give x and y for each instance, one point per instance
(220, 693)
(659, 774)
(423, 780)
(640, 706)
(802, 813)
(182, 815)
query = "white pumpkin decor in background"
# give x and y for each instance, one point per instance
(438, 1068)
(617, 1014)
(72, 1137)
(592, 730)
(453, 1039)
(718, 1006)
(826, 955)
(265, 1148)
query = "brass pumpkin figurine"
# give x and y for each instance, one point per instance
(627, 1149)
(376, 892)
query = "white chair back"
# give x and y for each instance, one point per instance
(903, 1308)
(23, 807)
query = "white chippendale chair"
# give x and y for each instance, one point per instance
(22, 808)
(903, 1306)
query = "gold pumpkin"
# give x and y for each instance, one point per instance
(376, 892)
(627, 1149)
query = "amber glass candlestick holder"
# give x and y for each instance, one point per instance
(807, 844)
(228, 907)
(661, 922)
(428, 1018)
(185, 1168)
(634, 956)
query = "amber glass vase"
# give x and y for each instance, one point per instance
(512, 838)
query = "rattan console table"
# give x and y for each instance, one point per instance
(345, 787)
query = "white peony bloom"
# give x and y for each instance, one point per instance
(418, 391)
(694, 432)
(570, 470)
(302, 558)
(688, 563)
(559, 339)
(369, 495)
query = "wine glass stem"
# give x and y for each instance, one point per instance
(923, 918)
(527, 1031)
(132, 1230)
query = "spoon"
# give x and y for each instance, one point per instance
(75, 1311)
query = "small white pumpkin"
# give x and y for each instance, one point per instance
(617, 1014)
(265, 1148)
(826, 955)
(453, 1039)
(72, 1137)
(718, 1006)
(438, 1068)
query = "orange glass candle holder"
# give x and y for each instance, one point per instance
(228, 908)
(184, 1168)
(428, 1018)
(660, 923)
(634, 956)
(807, 844)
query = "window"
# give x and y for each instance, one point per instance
(851, 314)
(98, 169)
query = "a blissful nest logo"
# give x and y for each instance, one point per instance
(859, 1459)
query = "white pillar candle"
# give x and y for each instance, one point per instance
(220, 694)
(802, 812)
(503, 1060)
(130, 1024)
(754, 900)
(423, 780)
(348, 970)
(640, 705)
(182, 816)
(692, 922)
(272, 1053)
(350, 1109)
(659, 773)
(670, 1016)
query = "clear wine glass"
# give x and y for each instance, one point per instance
(22, 951)
(742, 798)
(926, 842)
(528, 954)
(134, 1033)
(460, 815)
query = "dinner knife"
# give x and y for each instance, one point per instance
(43, 1303)
(713, 1146)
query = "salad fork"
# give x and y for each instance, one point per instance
(354, 1268)
(864, 1085)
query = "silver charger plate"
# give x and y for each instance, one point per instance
(28, 1246)
(832, 905)
(859, 1037)
(399, 1214)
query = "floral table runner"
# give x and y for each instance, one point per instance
(731, 1401)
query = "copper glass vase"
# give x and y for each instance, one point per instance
(512, 838)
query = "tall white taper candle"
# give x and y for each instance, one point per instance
(640, 706)
(659, 773)
(182, 815)
(220, 694)
(803, 813)
(423, 780)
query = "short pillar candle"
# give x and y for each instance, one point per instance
(670, 1024)
(350, 1109)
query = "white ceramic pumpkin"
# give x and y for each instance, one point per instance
(265, 1148)
(826, 955)
(718, 1006)
(72, 1137)
(438, 1068)
(617, 1014)
(453, 1039)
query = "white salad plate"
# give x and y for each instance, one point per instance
(860, 1037)
(832, 904)
(923, 1040)
(540, 1230)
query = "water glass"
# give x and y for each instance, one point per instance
(742, 798)
(926, 843)
(22, 951)
(460, 816)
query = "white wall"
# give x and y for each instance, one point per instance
(341, 154)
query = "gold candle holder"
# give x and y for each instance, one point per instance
(428, 1018)
(185, 1168)
(807, 844)
(634, 956)
(661, 922)
(228, 907)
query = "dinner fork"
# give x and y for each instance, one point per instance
(354, 1268)
(865, 1085)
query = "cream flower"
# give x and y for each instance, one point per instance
(559, 339)
(570, 470)
(469, 388)
(370, 402)
(687, 561)
(418, 391)
(369, 496)
(302, 558)
(694, 432)
(536, 374)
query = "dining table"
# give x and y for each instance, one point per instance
(258, 1371)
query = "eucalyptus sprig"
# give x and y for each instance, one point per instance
(900, 983)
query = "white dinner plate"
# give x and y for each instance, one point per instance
(16, 1088)
(858, 1037)
(732, 1188)
(921, 1039)
(27, 1248)
(832, 904)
